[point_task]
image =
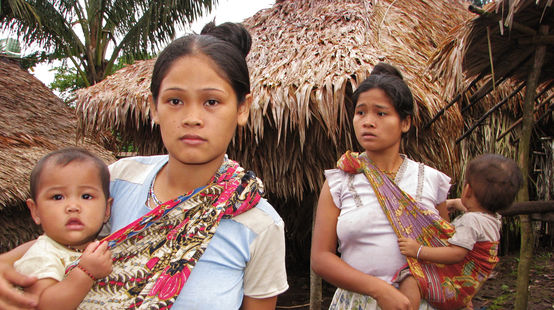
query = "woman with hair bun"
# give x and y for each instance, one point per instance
(189, 229)
(364, 203)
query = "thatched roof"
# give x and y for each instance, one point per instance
(512, 29)
(493, 115)
(35, 122)
(306, 59)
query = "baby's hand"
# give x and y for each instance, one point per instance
(455, 204)
(97, 259)
(408, 246)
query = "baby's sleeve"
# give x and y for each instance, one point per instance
(467, 233)
(40, 263)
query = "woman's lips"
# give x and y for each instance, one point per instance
(368, 135)
(192, 139)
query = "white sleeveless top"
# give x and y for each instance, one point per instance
(367, 242)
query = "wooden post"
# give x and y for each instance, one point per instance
(315, 280)
(526, 250)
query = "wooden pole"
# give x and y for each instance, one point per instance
(315, 280)
(528, 207)
(526, 250)
(489, 112)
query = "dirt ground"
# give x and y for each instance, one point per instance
(497, 293)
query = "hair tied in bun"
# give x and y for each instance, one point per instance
(233, 33)
(383, 68)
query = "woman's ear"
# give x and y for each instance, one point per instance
(34, 212)
(244, 110)
(153, 110)
(406, 123)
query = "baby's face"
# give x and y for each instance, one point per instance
(70, 204)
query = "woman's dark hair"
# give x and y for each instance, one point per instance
(227, 45)
(494, 180)
(63, 158)
(389, 79)
(385, 68)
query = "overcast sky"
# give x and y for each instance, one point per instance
(225, 11)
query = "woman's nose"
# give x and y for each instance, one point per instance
(369, 122)
(192, 117)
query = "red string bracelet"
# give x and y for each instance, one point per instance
(86, 272)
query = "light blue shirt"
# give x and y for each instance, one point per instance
(246, 255)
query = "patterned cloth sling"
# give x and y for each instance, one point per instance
(444, 286)
(154, 256)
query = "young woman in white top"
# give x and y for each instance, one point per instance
(349, 215)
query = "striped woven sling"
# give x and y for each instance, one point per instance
(444, 286)
(406, 218)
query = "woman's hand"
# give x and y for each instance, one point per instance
(408, 247)
(12, 298)
(390, 298)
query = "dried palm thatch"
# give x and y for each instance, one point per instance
(35, 123)
(504, 34)
(307, 58)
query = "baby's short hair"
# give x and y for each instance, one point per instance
(63, 157)
(495, 180)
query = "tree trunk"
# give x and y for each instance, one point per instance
(526, 250)
(315, 280)
(315, 291)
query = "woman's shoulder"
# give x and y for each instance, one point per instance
(260, 217)
(429, 172)
(335, 178)
(334, 173)
(139, 160)
(135, 169)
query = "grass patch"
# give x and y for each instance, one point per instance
(500, 301)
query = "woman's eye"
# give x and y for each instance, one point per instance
(381, 113)
(359, 112)
(57, 197)
(211, 102)
(87, 196)
(174, 101)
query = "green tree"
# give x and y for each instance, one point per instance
(91, 34)
(67, 79)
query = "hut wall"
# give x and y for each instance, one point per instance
(16, 227)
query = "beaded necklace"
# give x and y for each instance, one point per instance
(152, 196)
